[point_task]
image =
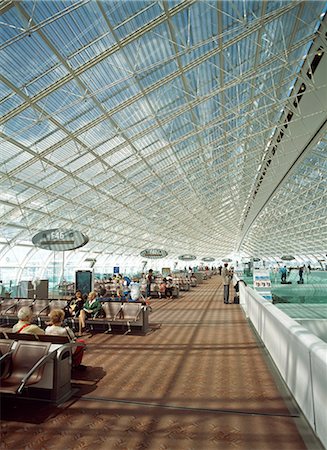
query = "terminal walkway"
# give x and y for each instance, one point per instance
(200, 380)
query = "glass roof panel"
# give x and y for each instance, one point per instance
(166, 112)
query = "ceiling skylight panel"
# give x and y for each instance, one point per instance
(28, 60)
(9, 102)
(156, 73)
(115, 97)
(64, 153)
(136, 169)
(15, 161)
(94, 48)
(79, 162)
(94, 171)
(133, 114)
(8, 151)
(95, 135)
(75, 30)
(151, 48)
(128, 163)
(119, 156)
(108, 74)
(310, 19)
(119, 11)
(136, 177)
(164, 106)
(179, 128)
(143, 144)
(33, 171)
(11, 27)
(201, 24)
(84, 119)
(66, 102)
(197, 51)
(49, 176)
(232, 14)
(51, 139)
(134, 15)
(28, 130)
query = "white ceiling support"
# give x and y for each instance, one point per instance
(293, 139)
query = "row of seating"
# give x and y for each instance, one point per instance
(35, 369)
(120, 314)
(112, 313)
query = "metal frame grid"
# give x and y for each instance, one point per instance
(143, 124)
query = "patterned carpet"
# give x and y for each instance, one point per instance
(198, 381)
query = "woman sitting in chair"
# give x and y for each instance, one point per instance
(55, 328)
(91, 307)
(24, 324)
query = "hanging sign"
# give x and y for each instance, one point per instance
(153, 253)
(207, 259)
(287, 257)
(187, 257)
(227, 260)
(59, 239)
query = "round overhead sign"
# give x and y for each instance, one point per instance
(187, 257)
(207, 259)
(153, 253)
(59, 239)
(227, 260)
(287, 257)
(256, 259)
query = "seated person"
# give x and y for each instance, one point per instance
(55, 328)
(135, 290)
(75, 305)
(162, 288)
(91, 307)
(24, 324)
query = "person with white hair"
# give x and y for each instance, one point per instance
(24, 324)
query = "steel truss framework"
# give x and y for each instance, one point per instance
(144, 124)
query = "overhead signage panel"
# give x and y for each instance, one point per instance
(287, 257)
(187, 257)
(59, 239)
(153, 253)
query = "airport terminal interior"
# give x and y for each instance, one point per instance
(186, 138)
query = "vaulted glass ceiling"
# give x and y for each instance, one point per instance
(145, 124)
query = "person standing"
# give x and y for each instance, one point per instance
(226, 280)
(301, 275)
(283, 272)
(149, 280)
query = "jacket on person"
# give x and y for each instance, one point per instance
(92, 307)
(226, 275)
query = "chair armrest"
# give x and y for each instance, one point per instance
(9, 308)
(41, 310)
(5, 364)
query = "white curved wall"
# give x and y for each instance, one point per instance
(300, 356)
